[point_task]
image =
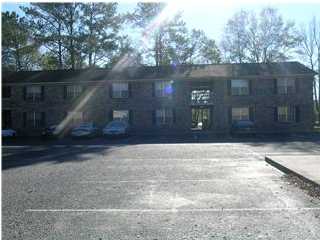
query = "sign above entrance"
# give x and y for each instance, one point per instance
(201, 97)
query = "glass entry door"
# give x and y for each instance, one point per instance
(201, 118)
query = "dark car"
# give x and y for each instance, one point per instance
(50, 132)
(243, 127)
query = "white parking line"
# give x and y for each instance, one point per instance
(291, 153)
(214, 159)
(154, 181)
(16, 147)
(216, 144)
(119, 210)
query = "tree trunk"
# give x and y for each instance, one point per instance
(72, 58)
(71, 26)
(316, 100)
(90, 38)
(60, 47)
(318, 86)
(71, 46)
(90, 59)
(160, 50)
(18, 60)
(157, 51)
(94, 59)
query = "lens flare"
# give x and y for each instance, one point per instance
(167, 14)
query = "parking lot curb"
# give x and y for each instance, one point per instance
(290, 171)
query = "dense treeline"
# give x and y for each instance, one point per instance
(80, 35)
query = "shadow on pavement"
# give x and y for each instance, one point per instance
(55, 155)
(189, 138)
(25, 152)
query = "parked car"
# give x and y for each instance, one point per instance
(85, 130)
(116, 128)
(8, 133)
(51, 132)
(243, 127)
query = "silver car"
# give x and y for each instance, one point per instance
(116, 128)
(85, 130)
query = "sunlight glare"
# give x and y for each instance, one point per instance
(171, 9)
(167, 14)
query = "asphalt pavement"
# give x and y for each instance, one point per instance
(155, 190)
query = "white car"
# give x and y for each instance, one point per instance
(9, 133)
(116, 128)
(85, 130)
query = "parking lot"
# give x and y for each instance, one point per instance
(131, 189)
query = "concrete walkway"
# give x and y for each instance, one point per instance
(304, 166)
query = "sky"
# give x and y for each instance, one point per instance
(212, 16)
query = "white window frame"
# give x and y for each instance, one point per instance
(74, 91)
(163, 88)
(285, 86)
(120, 90)
(240, 113)
(121, 112)
(286, 113)
(240, 87)
(164, 116)
(34, 119)
(33, 95)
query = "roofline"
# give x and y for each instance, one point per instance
(165, 66)
(158, 79)
(32, 76)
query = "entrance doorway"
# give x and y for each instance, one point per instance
(201, 118)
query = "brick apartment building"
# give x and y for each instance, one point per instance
(278, 97)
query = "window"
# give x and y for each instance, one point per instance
(239, 87)
(121, 115)
(164, 116)
(286, 114)
(35, 119)
(120, 90)
(73, 91)
(6, 119)
(33, 93)
(241, 113)
(163, 89)
(285, 86)
(75, 117)
(6, 92)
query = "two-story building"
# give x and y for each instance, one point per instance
(277, 97)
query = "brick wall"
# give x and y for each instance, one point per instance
(142, 103)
